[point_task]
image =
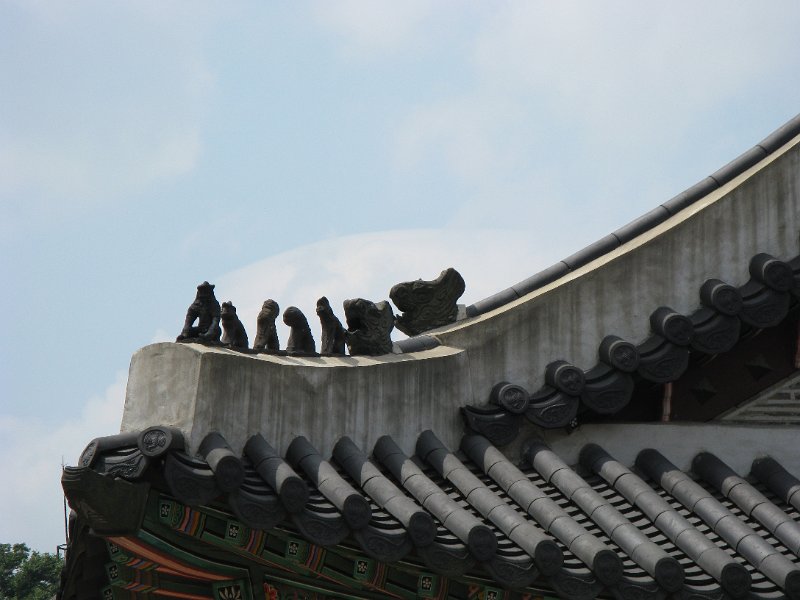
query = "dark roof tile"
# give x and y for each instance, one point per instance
(354, 508)
(739, 165)
(782, 483)
(642, 224)
(542, 278)
(783, 134)
(592, 251)
(688, 197)
(476, 514)
(277, 473)
(417, 343)
(494, 301)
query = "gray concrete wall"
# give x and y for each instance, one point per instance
(200, 389)
(758, 211)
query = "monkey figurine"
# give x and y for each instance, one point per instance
(266, 333)
(233, 333)
(300, 339)
(206, 311)
(332, 330)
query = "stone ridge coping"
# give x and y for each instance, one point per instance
(422, 352)
(643, 224)
(739, 443)
(516, 295)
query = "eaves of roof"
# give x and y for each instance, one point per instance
(715, 328)
(466, 516)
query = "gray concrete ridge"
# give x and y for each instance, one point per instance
(200, 389)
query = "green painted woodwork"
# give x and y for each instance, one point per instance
(232, 590)
(215, 540)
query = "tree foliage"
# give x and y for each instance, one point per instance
(26, 574)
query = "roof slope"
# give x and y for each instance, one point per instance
(470, 515)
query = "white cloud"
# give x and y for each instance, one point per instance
(98, 102)
(560, 98)
(374, 27)
(622, 63)
(464, 133)
(368, 265)
(32, 466)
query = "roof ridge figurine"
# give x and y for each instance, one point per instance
(206, 311)
(369, 326)
(300, 339)
(333, 334)
(234, 334)
(427, 304)
(266, 332)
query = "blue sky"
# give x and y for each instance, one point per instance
(288, 150)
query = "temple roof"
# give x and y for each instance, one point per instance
(452, 468)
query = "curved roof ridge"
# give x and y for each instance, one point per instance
(646, 222)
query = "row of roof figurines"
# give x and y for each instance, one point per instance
(425, 305)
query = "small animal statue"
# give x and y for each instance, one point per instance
(267, 334)
(369, 327)
(206, 311)
(427, 304)
(233, 333)
(300, 339)
(332, 330)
